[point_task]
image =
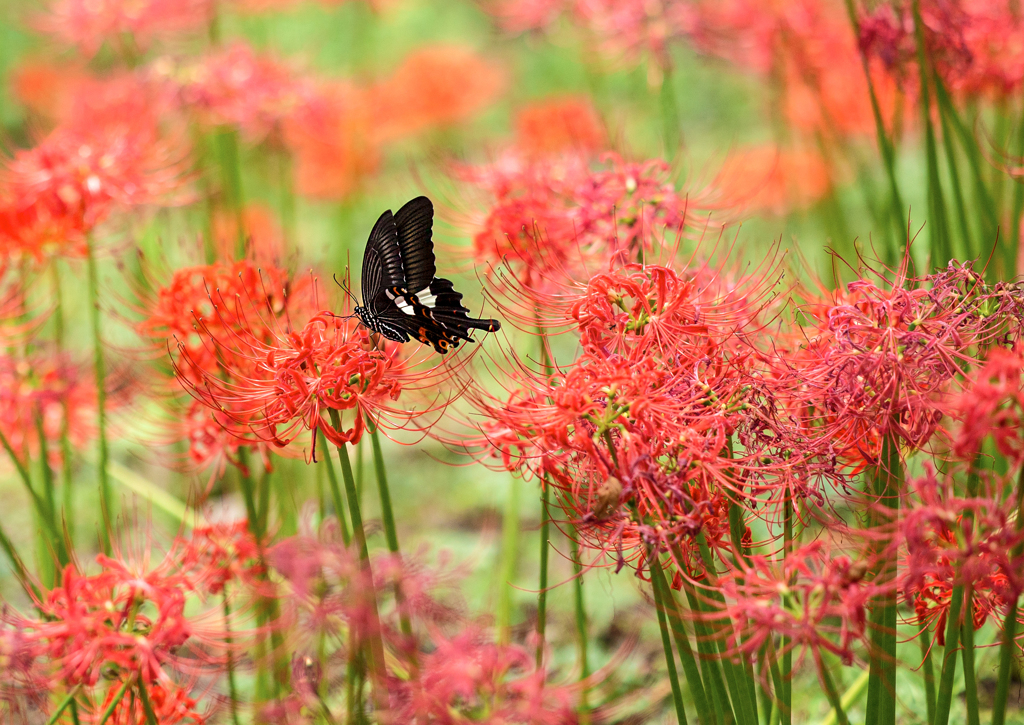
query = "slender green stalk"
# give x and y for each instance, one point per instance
(832, 694)
(967, 654)
(710, 661)
(939, 236)
(1007, 647)
(888, 478)
(248, 494)
(852, 694)
(44, 512)
(232, 687)
(115, 702)
(542, 593)
(580, 612)
(332, 478)
(107, 513)
(944, 698)
(966, 249)
(231, 173)
(735, 676)
(147, 706)
(1017, 209)
(263, 500)
(390, 530)
(666, 643)
(884, 145)
(60, 548)
(66, 451)
(786, 715)
(20, 571)
(665, 600)
(376, 645)
(72, 694)
(928, 671)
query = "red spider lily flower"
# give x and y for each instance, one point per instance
(219, 553)
(225, 299)
(467, 674)
(281, 388)
(334, 140)
(519, 16)
(171, 704)
(60, 190)
(957, 540)
(977, 47)
(632, 27)
(773, 180)
(807, 47)
(550, 217)
(992, 404)
(213, 438)
(237, 87)
(434, 86)
(816, 598)
(557, 125)
(128, 616)
(24, 683)
(881, 361)
(88, 24)
(43, 389)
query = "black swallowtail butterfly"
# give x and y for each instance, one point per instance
(401, 296)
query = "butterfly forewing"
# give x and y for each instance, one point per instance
(382, 264)
(415, 222)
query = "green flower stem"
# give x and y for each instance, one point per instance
(967, 655)
(107, 513)
(944, 697)
(1007, 647)
(72, 694)
(888, 479)
(66, 451)
(1017, 209)
(60, 546)
(941, 251)
(853, 693)
(884, 144)
(669, 112)
(332, 478)
(20, 571)
(147, 706)
(786, 714)
(249, 495)
(666, 643)
(376, 644)
(44, 512)
(832, 694)
(542, 593)
(232, 687)
(114, 703)
(580, 613)
(226, 140)
(735, 676)
(927, 671)
(388, 515)
(705, 714)
(709, 659)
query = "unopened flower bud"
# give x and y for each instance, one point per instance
(608, 498)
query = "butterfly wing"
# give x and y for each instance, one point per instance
(415, 223)
(382, 265)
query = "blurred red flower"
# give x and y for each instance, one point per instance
(559, 124)
(773, 180)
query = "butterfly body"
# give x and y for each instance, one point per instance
(402, 299)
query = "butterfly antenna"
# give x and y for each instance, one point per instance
(345, 287)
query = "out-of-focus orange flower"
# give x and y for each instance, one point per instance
(771, 179)
(434, 86)
(559, 124)
(47, 89)
(263, 236)
(333, 140)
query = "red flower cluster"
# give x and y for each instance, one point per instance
(552, 216)
(976, 47)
